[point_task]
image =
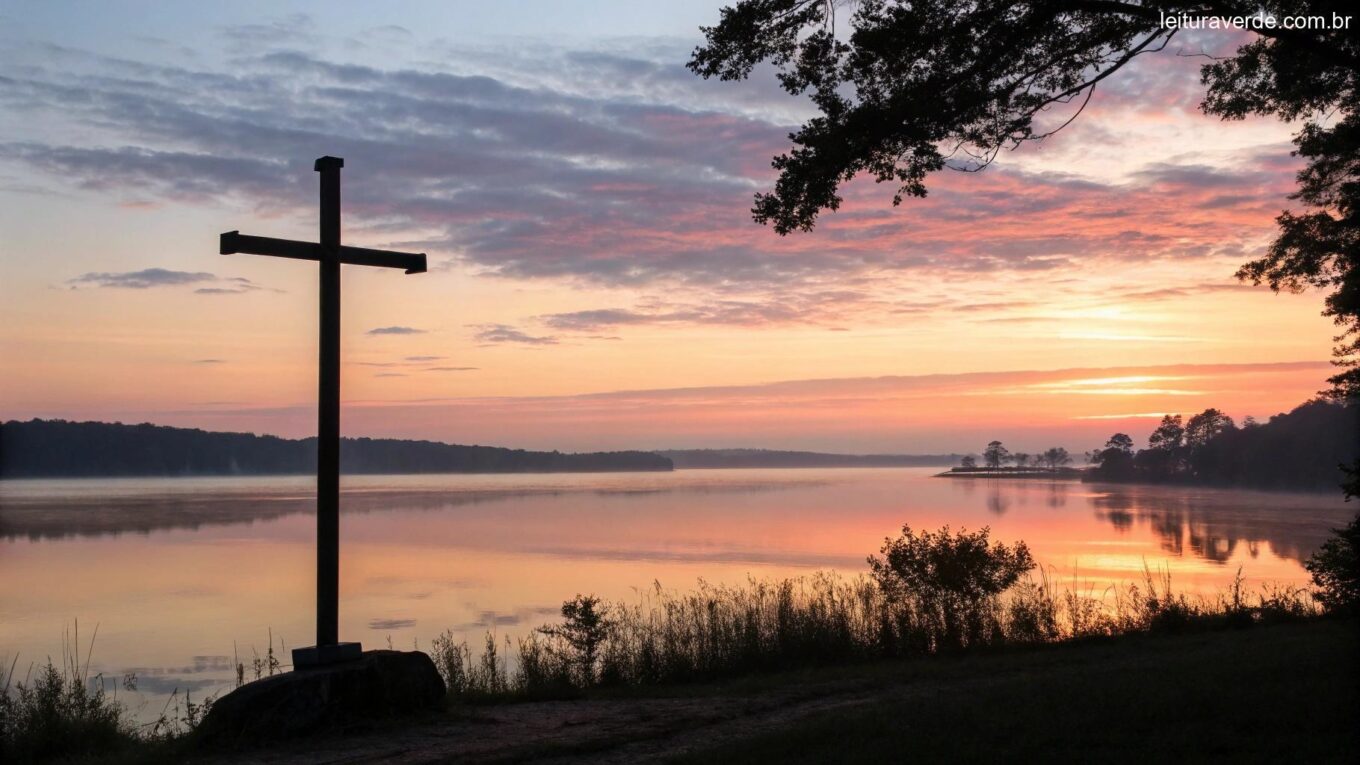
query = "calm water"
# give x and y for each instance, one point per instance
(180, 575)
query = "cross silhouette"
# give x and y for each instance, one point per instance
(330, 254)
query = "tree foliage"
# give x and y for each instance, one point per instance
(1205, 427)
(994, 455)
(944, 564)
(76, 449)
(1120, 442)
(585, 627)
(911, 88)
(1335, 569)
(1302, 449)
(951, 581)
(1054, 457)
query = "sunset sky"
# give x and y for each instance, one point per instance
(596, 280)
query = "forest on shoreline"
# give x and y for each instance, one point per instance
(1305, 448)
(61, 449)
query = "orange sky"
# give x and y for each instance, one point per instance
(584, 204)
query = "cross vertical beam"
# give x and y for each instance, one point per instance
(329, 254)
(328, 411)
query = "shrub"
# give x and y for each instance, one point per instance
(952, 579)
(585, 627)
(1335, 569)
(59, 712)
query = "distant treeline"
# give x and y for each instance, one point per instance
(1299, 450)
(57, 448)
(766, 458)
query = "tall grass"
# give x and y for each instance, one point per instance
(60, 710)
(762, 625)
(63, 711)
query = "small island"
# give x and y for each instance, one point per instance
(1050, 464)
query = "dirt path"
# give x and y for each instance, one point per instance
(607, 731)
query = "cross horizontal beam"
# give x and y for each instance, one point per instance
(233, 242)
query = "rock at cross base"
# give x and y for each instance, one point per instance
(381, 684)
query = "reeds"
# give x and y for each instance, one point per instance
(718, 631)
(64, 711)
(60, 710)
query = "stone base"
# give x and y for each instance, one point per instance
(329, 697)
(318, 655)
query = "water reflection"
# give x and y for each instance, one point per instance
(1002, 493)
(52, 510)
(1213, 524)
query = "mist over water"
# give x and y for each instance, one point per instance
(185, 576)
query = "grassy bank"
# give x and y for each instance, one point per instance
(1283, 693)
(61, 710)
(720, 631)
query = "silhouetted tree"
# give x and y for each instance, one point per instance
(1335, 569)
(585, 627)
(1055, 457)
(1169, 435)
(1166, 447)
(994, 455)
(1115, 461)
(1201, 431)
(1300, 449)
(952, 577)
(1204, 427)
(59, 448)
(911, 88)
(1120, 442)
(969, 461)
(1021, 459)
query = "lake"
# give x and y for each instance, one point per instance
(183, 575)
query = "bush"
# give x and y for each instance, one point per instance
(59, 712)
(1336, 569)
(584, 630)
(952, 580)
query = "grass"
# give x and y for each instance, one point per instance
(723, 631)
(59, 709)
(63, 712)
(1280, 693)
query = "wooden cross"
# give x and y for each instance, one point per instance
(330, 254)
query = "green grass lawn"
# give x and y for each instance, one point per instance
(1288, 693)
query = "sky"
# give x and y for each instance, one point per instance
(596, 281)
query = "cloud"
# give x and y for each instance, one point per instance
(419, 359)
(210, 361)
(233, 286)
(788, 308)
(163, 277)
(496, 334)
(391, 624)
(1005, 305)
(1166, 293)
(395, 330)
(613, 167)
(140, 280)
(451, 369)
